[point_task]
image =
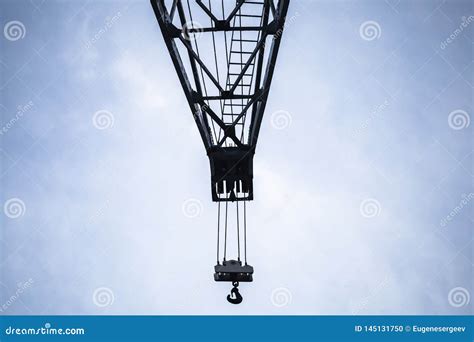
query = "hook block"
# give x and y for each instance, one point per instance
(232, 270)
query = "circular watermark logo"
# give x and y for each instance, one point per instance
(192, 30)
(281, 297)
(459, 297)
(103, 296)
(370, 30)
(103, 119)
(14, 208)
(459, 119)
(14, 30)
(281, 119)
(370, 207)
(192, 208)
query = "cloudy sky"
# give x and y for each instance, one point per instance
(363, 172)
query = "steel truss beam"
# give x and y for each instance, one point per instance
(239, 170)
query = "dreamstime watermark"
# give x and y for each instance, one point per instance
(452, 37)
(47, 329)
(109, 22)
(14, 208)
(192, 208)
(370, 208)
(281, 119)
(100, 212)
(192, 30)
(281, 297)
(370, 30)
(21, 110)
(459, 297)
(375, 113)
(21, 288)
(457, 209)
(459, 119)
(103, 296)
(14, 30)
(360, 305)
(103, 119)
(288, 22)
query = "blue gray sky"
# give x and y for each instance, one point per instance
(363, 172)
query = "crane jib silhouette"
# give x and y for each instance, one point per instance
(226, 84)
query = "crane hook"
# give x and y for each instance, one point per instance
(235, 297)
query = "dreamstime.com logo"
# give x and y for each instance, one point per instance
(370, 208)
(109, 22)
(103, 119)
(376, 112)
(457, 209)
(47, 329)
(14, 30)
(103, 296)
(21, 110)
(197, 30)
(358, 306)
(14, 208)
(459, 119)
(288, 22)
(466, 21)
(459, 297)
(281, 119)
(22, 287)
(281, 297)
(192, 208)
(370, 30)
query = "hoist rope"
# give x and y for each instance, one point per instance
(225, 237)
(218, 228)
(238, 232)
(245, 232)
(238, 38)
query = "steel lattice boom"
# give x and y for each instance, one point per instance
(224, 53)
